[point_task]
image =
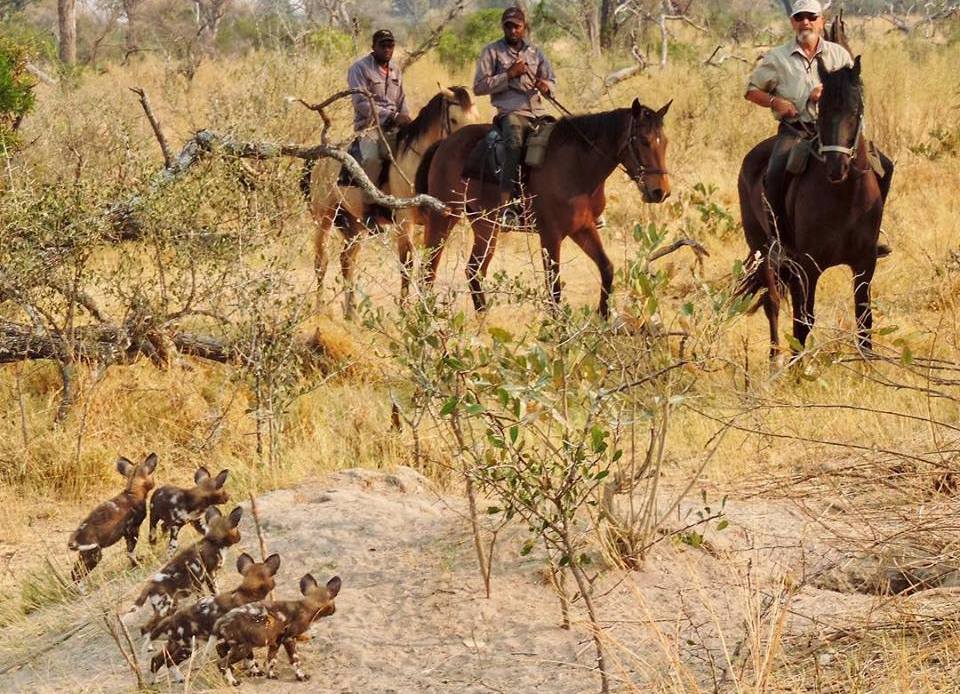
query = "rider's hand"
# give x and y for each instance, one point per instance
(402, 119)
(543, 86)
(816, 94)
(784, 108)
(517, 69)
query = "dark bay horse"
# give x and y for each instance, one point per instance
(833, 209)
(343, 207)
(566, 191)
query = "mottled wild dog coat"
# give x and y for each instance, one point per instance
(197, 620)
(192, 568)
(111, 520)
(273, 624)
(173, 507)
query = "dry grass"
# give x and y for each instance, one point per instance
(877, 414)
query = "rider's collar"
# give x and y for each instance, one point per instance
(798, 48)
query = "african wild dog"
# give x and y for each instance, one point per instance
(272, 624)
(111, 520)
(173, 507)
(192, 568)
(188, 624)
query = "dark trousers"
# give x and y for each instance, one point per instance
(514, 129)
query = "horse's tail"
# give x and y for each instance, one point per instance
(422, 180)
(760, 279)
(305, 177)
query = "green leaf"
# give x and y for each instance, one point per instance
(722, 525)
(527, 548)
(501, 335)
(514, 433)
(493, 509)
(449, 406)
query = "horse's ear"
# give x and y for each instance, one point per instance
(856, 66)
(822, 69)
(636, 108)
(663, 111)
(447, 92)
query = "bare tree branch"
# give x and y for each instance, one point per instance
(155, 124)
(431, 41)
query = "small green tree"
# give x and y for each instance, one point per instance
(461, 46)
(16, 92)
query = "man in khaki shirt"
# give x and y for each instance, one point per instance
(787, 82)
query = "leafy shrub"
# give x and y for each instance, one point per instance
(16, 91)
(328, 43)
(461, 46)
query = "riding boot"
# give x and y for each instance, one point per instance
(775, 182)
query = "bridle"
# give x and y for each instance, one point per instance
(851, 151)
(642, 170)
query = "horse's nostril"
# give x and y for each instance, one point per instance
(656, 194)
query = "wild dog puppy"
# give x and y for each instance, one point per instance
(111, 520)
(191, 569)
(272, 624)
(186, 625)
(173, 507)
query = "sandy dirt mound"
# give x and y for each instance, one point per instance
(411, 616)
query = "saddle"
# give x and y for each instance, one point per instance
(346, 178)
(799, 157)
(486, 158)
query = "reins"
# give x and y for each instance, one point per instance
(643, 170)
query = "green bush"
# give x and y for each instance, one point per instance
(328, 43)
(461, 46)
(16, 91)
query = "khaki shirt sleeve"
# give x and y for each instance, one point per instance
(488, 80)
(764, 76)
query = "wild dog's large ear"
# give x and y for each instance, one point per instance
(663, 111)
(200, 475)
(856, 66)
(221, 479)
(333, 586)
(822, 69)
(273, 563)
(235, 516)
(306, 583)
(124, 466)
(244, 562)
(150, 464)
(212, 512)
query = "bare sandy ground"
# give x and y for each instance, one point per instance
(411, 616)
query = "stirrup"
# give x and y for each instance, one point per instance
(510, 217)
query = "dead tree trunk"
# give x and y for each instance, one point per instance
(67, 26)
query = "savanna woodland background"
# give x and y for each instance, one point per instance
(701, 520)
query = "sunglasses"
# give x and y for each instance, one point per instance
(808, 16)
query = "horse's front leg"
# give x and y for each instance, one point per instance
(589, 240)
(861, 296)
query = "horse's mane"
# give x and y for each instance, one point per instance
(595, 126)
(429, 115)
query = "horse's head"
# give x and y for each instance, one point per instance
(460, 109)
(644, 151)
(840, 118)
(449, 110)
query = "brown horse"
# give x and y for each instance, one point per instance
(566, 192)
(833, 211)
(343, 206)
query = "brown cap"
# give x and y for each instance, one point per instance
(513, 15)
(383, 35)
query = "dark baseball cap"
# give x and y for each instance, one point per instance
(513, 15)
(383, 35)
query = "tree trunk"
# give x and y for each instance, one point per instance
(67, 23)
(131, 41)
(608, 27)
